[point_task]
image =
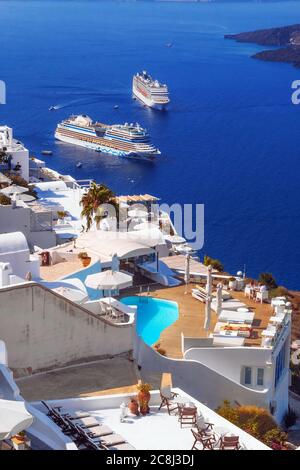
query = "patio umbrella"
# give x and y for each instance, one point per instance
(145, 226)
(137, 214)
(26, 198)
(208, 300)
(14, 418)
(14, 189)
(187, 271)
(219, 299)
(175, 239)
(115, 264)
(109, 280)
(76, 295)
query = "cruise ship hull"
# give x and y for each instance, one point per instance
(104, 149)
(148, 101)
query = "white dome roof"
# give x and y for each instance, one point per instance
(12, 243)
(83, 120)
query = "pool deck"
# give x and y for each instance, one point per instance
(192, 314)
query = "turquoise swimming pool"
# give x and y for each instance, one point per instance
(153, 316)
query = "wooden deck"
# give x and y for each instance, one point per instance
(191, 318)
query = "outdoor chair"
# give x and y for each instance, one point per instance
(204, 428)
(229, 443)
(187, 415)
(205, 442)
(167, 397)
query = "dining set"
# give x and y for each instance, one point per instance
(206, 435)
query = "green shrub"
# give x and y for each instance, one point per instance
(255, 420)
(214, 263)
(268, 280)
(278, 292)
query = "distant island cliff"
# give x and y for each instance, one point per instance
(287, 38)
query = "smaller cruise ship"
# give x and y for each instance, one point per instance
(123, 140)
(151, 92)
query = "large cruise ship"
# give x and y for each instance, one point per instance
(150, 92)
(127, 140)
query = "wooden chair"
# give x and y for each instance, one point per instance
(187, 415)
(206, 442)
(229, 443)
(167, 396)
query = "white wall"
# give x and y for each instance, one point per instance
(18, 220)
(43, 330)
(233, 359)
(205, 384)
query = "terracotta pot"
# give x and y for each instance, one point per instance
(85, 261)
(19, 437)
(144, 409)
(144, 398)
(133, 407)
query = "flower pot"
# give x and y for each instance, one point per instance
(133, 407)
(85, 261)
(144, 398)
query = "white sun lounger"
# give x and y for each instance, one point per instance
(232, 316)
(228, 305)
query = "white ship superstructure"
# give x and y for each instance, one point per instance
(123, 140)
(151, 92)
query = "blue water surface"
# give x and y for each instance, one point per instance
(230, 138)
(153, 316)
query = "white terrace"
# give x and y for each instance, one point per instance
(156, 431)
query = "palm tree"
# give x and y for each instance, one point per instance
(97, 195)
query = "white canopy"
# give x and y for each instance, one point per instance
(145, 226)
(137, 214)
(124, 244)
(14, 418)
(109, 280)
(76, 295)
(175, 239)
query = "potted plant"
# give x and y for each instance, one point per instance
(144, 397)
(61, 215)
(21, 436)
(85, 258)
(133, 407)
(232, 283)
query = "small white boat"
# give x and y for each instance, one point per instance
(52, 108)
(47, 152)
(78, 165)
(116, 106)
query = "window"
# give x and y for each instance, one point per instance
(260, 376)
(280, 364)
(247, 375)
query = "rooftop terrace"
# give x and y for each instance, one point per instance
(157, 430)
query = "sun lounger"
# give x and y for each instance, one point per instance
(228, 305)
(99, 431)
(198, 295)
(73, 414)
(86, 422)
(124, 446)
(234, 316)
(112, 440)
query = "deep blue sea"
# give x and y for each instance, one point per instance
(231, 136)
